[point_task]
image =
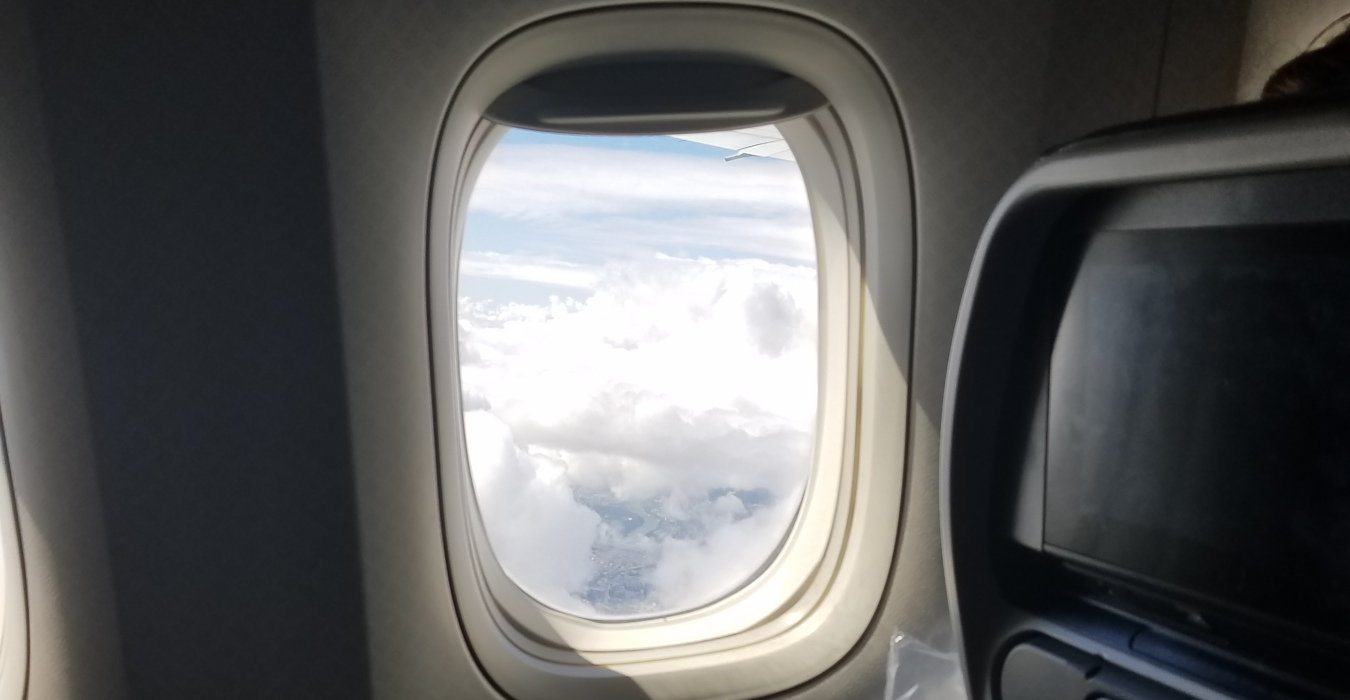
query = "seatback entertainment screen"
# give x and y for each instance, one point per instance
(1199, 432)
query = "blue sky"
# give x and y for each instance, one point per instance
(588, 200)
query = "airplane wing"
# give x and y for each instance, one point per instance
(761, 141)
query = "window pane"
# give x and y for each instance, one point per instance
(637, 338)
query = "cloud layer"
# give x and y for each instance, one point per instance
(641, 446)
(618, 202)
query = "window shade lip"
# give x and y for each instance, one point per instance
(691, 121)
(655, 93)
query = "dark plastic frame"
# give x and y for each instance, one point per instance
(657, 93)
(1237, 166)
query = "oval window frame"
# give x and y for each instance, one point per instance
(815, 599)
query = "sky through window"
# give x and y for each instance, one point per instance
(638, 339)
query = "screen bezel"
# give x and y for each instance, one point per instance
(1167, 207)
(1001, 583)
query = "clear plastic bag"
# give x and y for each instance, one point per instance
(917, 671)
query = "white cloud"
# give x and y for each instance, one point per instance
(735, 548)
(656, 388)
(771, 315)
(541, 536)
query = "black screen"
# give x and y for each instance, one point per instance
(1199, 430)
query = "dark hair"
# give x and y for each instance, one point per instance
(1319, 71)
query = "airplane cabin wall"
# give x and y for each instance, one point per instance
(214, 364)
(176, 408)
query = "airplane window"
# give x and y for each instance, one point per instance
(637, 322)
